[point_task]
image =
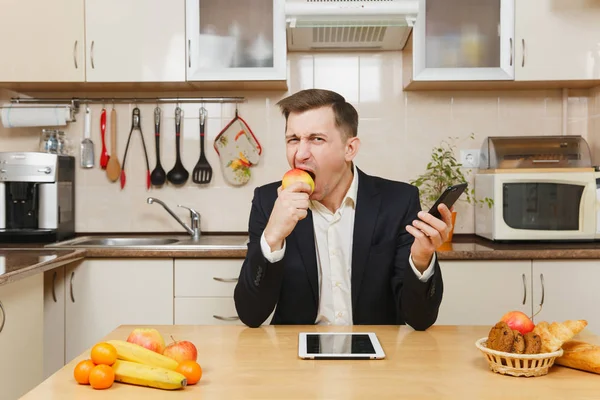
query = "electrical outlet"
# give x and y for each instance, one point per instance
(469, 158)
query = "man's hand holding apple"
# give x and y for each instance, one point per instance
(290, 207)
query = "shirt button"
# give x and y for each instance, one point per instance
(340, 314)
(338, 284)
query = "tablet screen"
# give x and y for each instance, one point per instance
(339, 344)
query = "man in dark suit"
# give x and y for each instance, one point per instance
(355, 250)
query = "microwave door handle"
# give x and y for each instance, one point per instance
(545, 161)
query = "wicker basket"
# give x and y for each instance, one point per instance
(517, 364)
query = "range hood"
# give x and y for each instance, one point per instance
(314, 25)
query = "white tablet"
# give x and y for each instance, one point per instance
(339, 345)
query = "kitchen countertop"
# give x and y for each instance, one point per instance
(472, 247)
(168, 253)
(21, 260)
(463, 247)
(240, 362)
(18, 263)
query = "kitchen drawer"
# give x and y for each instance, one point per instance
(206, 277)
(205, 311)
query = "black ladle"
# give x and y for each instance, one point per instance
(158, 175)
(178, 175)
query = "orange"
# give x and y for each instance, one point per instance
(191, 370)
(102, 377)
(82, 371)
(104, 353)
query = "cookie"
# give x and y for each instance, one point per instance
(501, 337)
(519, 343)
(533, 343)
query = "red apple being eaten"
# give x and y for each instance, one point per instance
(181, 351)
(518, 321)
(149, 338)
(297, 175)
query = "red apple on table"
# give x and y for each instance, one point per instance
(518, 321)
(295, 175)
(149, 338)
(181, 351)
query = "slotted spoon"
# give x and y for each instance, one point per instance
(202, 173)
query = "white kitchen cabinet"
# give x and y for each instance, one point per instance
(464, 40)
(135, 41)
(102, 294)
(54, 320)
(481, 292)
(206, 311)
(557, 40)
(204, 291)
(206, 277)
(21, 336)
(42, 41)
(231, 40)
(567, 289)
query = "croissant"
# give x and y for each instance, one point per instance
(554, 335)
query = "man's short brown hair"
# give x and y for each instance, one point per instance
(346, 117)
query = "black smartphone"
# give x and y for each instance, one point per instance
(449, 197)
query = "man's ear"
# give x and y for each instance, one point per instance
(352, 146)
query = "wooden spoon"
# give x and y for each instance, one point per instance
(113, 168)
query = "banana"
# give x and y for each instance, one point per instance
(147, 375)
(139, 354)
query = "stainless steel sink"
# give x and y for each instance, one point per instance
(171, 242)
(127, 242)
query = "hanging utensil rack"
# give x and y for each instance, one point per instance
(74, 103)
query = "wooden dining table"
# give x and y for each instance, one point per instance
(262, 363)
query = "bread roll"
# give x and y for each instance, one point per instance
(580, 355)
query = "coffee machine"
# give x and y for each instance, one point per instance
(37, 197)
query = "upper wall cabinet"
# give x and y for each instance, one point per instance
(557, 40)
(232, 40)
(134, 40)
(464, 40)
(42, 41)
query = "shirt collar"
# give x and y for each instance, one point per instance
(353, 190)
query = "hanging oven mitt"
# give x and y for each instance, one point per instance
(238, 151)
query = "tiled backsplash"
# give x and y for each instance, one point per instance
(398, 130)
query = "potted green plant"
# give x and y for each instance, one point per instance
(444, 170)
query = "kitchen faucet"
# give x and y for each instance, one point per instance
(194, 231)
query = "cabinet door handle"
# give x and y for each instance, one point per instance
(226, 318)
(524, 289)
(523, 59)
(189, 53)
(3, 316)
(543, 289)
(226, 280)
(54, 287)
(75, 54)
(92, 55)
(71, 287)
(511, 51)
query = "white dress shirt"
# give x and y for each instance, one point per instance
(333, 244)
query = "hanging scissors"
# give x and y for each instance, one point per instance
(135, 125)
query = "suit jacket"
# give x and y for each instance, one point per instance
(384, 288)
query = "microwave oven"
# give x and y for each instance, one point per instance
(542, 189)
(538, 206)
